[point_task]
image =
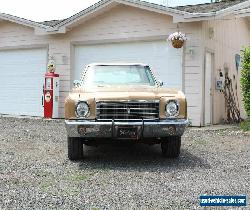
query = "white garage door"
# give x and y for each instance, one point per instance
(21, 80)
(165, 61)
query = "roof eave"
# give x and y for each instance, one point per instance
(105, 3)
(242, 13)
(50, 30)
(194, 17)
(232, 9)
(21, 21)
(101, 6)
(149, 6)
(191, 17)
(178, 16)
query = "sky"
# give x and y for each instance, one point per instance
(41, 10)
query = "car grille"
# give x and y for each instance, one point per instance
(127, 109)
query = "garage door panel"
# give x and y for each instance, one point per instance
(164, 59)
(22, 73)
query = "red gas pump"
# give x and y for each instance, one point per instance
(51, 93)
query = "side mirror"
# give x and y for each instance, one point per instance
(77, 83)
(161, 83)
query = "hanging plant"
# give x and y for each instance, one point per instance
(177, 39)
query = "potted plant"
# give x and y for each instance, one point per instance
(177, 39)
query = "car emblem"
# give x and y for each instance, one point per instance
(128, 110)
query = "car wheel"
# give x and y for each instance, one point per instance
(171, 147)
(75, 148)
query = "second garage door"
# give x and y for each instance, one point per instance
(21, 80)
(164, 59)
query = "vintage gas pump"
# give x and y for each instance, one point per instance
(51, 92)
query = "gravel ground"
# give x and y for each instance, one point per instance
(36, 174)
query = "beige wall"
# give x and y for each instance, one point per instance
(230, 36)
(192, 65)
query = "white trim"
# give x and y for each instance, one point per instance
(152, 7)
(109, 41)
(23, 47)
(202, 116)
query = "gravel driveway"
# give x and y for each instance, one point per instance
(36, 174)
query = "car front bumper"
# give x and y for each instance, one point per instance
(111, 129)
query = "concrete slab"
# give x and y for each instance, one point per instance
(215, 127)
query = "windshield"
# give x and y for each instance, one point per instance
(118, 75)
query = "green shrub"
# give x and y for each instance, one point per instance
(245, 79)
(245, 125)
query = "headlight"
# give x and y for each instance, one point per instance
(82, 109)
(172, 108)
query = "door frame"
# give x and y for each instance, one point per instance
(207, 50)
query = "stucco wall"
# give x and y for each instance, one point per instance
(121, 23)
(230, 36)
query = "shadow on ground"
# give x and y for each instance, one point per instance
(138, 157)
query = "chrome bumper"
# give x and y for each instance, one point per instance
(109, 129)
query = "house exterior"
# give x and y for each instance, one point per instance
(133, 31)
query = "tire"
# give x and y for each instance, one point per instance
(75, 148)
(171, 147)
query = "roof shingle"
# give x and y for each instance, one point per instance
(208, 7)
(51, 23)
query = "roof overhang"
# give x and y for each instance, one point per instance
(104, 5)
(21, 21)
(239, 10)
(178, 16)
(243, 13)
(192, 17)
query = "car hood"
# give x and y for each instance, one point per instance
(123, 93)
(116, 93)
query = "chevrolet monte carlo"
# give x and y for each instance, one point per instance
(116, 102)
